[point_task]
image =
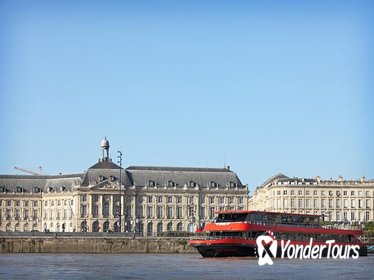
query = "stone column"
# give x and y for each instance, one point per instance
(100, 208)
(111, 204)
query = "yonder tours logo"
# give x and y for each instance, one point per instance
(267, 247)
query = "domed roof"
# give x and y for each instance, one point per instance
(105, 143)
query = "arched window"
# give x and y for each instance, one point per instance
(116, 227)
(106, 226)
(170, 226)
(95, 226)
(141, 228)
(179, 227)
(84, 226)
(150, 229)
(159, 227)
(191, 227)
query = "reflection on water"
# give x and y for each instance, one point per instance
(175, 266)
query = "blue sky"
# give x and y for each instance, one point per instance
(263, 86)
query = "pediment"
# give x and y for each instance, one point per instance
(105, 185)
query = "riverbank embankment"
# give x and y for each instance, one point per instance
(104, 243)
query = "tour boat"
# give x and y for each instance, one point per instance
(234, 233)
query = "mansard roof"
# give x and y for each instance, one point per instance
(105, 165)
(183, 176)
(105, 170)
(35, 184)
(133, 175)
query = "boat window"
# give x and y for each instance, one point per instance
(231, 217)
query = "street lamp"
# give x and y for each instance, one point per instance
(120, 187)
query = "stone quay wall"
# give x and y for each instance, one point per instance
(92, 244)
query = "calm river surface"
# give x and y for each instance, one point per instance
(175, 266)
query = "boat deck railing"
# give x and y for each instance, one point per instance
(205, 237)
(286, 224)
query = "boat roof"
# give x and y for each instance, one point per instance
(264, 212)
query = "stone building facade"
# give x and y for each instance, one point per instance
(107, 197)
(337, 200)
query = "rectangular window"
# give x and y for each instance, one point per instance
(95, 211)
(221, 200)
(338, 216)
(315, 203)
(353, 193)
(285, 203)
(17, 214)
(300, 192)
(35, 215)
(149, 212)
(191, 211)
(367, 203)
(323, 203)
(322, 193)
(307, 203)
(211, 212)
(300, 203)
(159, 199)
(128, 211)
(345, 203)
(83, 197)
(360, 203)
(83, 211)
(231, 199)
(26, 215)
(169, 199)
(159, 212)
(292, 202)
(338, 203)
(360, 193)
(330, 193)
(139, 211)
(18, 203)
(314, 192)
(352, 216)
(179, 199)
(240, 199)
(367, 216)
(8, 214)
(331, 205)
(211, 199)
(179, 212)
(150, 199)
(190, 199)
(307, 192)
(169, 213)
(344, 192)
(293, 192)
(284, 192)
(45, 203)
(353, 203)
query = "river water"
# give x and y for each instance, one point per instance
(176, 266)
